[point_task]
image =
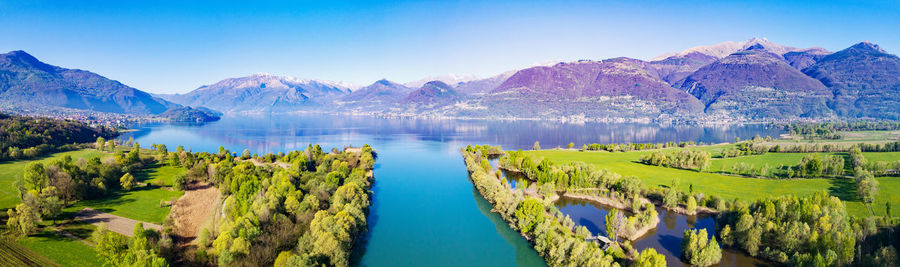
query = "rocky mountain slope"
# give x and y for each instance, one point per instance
(614, 88)
(865, 81)
(757, 84)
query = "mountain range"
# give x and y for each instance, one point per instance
(753, 80)
(26, 82)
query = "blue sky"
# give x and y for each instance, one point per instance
(170, 46)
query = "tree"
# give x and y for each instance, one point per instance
(245, 154)
(111, 144)
(649, 258)
(34, 178)
(670, 198)
(614, 221)
(23, 218)
(570, 145)
(111, 246)
(866, 186)
(100, 143)
(127, 181)
(180, 181)
(529, 214)
(698, 249)
(50, 204)
(691, 204)
(537, 145)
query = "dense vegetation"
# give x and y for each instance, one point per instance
(554, 235)
(27, 137)
(307, 214)
(829, 130)
(308, 205)
(791, 229)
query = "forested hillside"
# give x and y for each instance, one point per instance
(25, 137)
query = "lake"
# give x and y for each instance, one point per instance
(424, 209)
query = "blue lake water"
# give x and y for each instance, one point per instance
(424, 209)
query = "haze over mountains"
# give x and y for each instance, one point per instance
(753, 80)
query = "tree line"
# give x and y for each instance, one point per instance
(633, 146)
(829, 130)
(681, 159)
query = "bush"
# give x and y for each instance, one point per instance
(699, 250)
(180, 181)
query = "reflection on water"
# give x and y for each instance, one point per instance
(289, 132)
(423, 210)
(666, 238)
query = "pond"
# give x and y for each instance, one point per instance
(667, 236)
(424, 210)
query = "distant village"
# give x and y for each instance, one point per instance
(93, 118)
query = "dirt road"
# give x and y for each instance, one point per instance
(114, 223)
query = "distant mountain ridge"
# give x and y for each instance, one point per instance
(753, 80)
(865, 81)
(26, 80)
(263, 93)
(724, 49)
(756, 83)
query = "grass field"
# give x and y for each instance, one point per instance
(882, 156)
(159, 173)
(773, 159)
(12, 170)
(728, 186)
(63, 250)
(142, 204)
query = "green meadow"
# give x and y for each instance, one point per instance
(730, 186)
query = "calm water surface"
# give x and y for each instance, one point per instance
(665, 239)
(424, 209)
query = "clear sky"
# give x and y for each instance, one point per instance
(177, 46)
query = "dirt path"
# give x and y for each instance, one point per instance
(194, 209)
(114, 223)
